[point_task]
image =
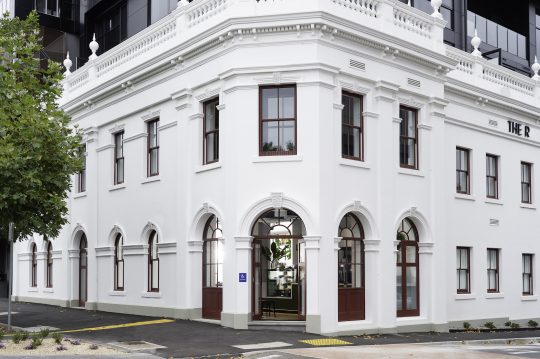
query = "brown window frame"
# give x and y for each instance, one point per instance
(526, 183)
(403, 138)
(350, 127)
(495, 270)
(81, 175)
(527, 276)
(262, 151)
(352, 242)
(206, 133)
(33, 275)
(153, 263)
(49, 266)
(153, 124)
(119, 161)
(404, 264)
(467, 170)
(494, 177)
(209, 236)
(118, 244)
(467, 270)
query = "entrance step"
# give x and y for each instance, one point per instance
(285, 326)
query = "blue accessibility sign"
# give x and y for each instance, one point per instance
(242, 277)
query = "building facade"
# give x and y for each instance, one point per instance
(331, 164)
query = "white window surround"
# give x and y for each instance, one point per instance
(151, 179)
(410, 172)
(208, 167)
(117, 293)
(117, 187)
(48, 290)
(499, 295)
(464, 196)
(156, 295)
(465, 296)
(287, 158)
(354, 163)
(529, 298)
(494, 201)
(79, 195)
(528, 206)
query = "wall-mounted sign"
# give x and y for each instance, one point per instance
(519, 129)
(242, 277)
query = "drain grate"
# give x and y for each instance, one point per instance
(137, 345)
(323, 342)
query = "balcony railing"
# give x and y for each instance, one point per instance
(390, 17)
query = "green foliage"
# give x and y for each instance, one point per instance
(57, 338)
(507, 323)
(530, 323)
(24, 335)
(38, 147)
(17, 337)
(2, 333)
(466, 325)
(514, 325)
(490, 325)
(37, 340)
(44, 332)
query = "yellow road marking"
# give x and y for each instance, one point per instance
(116, 326)
(323, 342)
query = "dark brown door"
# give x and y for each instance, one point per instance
(212, 268)
(256, 280)
(351, 304)
(83, 272)
(212, 303)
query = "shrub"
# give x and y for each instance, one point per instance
(37, 340)
(44, 332)
(532, 323)
(93, 347)
(490, 325)
(466, 325)
(514, 325)
(507, 323)
(24, 335)
(57, 338)
(2, 333)
(17, 337)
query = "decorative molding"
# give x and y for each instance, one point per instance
(336, 243)
(104, 148)
(208, 94)
(206, 207)
(368, 114)
(117, 128)
(396, 120)
(372, 245)
(357, 206)
(196, 116)
(243, 243)
(150, 115)
(135, 137)
(410, 101)
(277, 199)
(339, 106)
(277, 78)
(104, 251)
(312, 242)
(195, 246)
(221, 107)
(167, 125)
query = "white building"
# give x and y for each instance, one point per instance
(346, 132)
(7, 6)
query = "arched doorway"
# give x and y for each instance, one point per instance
(408, 270)
(351, 270)
(212, 292)
(278, 266)
(83, 271)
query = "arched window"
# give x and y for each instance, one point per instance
(351, 293)
(49, 271)
(407, 271)
(118, 263)
(83, 270)
(213, 254)
(153, 263)
(33, 275)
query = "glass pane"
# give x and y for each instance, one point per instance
(154, 161)
(270, 103)
(538, 42)
(411, 288)
(346, 112)
(286, 102)
(522, 46)
(287, 135)
(471, 23)
(462, 280)
(481, 27)
(411, 254)
(155, 277)
(83, 259)
(526, 286)
(448, 4)
(491, 33)
(448, 17)
(120, 274)
(120, 171)
(356, 111)
(399, 297)
(210, 116)
(492, 280)
(82, 285)
(270, 136)
(512, 42)
(502, 37)
(357, 276)
(355, 142)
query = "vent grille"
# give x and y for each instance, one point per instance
(413, 82)
(493, 222)
(357, 65)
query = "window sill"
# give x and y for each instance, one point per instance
(151, 179)
(494, 296)
(151, 295)
(465, 296)
(32, 290)
(208, 167)
(529, 298)
(79, 195)
(48, 290)
(117, 293)
(117, 187)
(527, 206)
(494, 201)
(354, 163)
(464, 196)
(286, 158)
(410, 172)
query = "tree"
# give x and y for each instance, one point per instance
(39, 149)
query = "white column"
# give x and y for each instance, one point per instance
(194, 282)
(313, 287)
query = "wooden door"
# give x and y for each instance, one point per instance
(351, 304)
(212, 303)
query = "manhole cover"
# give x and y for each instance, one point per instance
(136, 345)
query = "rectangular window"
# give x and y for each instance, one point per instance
(463, 269)
(277, 128)
(408, 138)
(81, 176)
(211, 131)
(153, 148)
(462, 170)
(493, 270)
(492, 176)
(526, 182)
(352, 133)
(119, 157)
(528, 274)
